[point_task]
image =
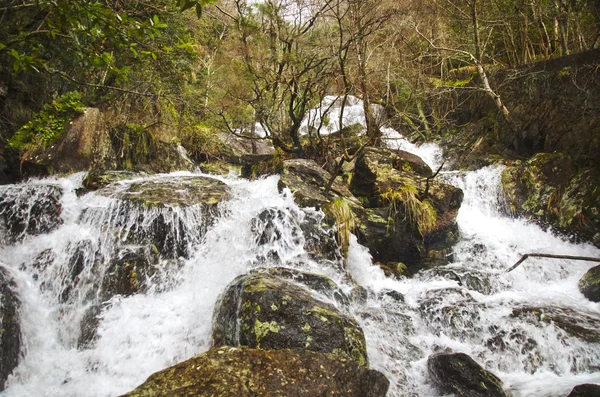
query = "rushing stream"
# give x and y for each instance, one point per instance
(471, 305)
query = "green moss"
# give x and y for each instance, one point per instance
(262, 329)
(48, 125)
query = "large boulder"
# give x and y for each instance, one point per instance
(159, 211)
(551, 191)
(10, 335)
(589, 285)
(246, 372)
(585, 390)
(91, 142)
(459, 374)
(410, 218)
(265, 310)
(84, 145)
(532, 187)
(308, 182)
(97, 179)
(30, 209)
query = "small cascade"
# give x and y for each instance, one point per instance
(116, 284)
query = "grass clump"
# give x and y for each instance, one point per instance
(418, 213)
(345, 222)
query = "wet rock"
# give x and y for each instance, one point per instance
(585, 390)
(97, 179)
(306, 228)
(315, 282)
(264, 310)
(88, 327)
(244, 372)
(452, 311)
(575, 323)
(459, 374)
(589, 285)
(408, 218)
(129, 272)
(167, 213)
(548, 189)
(10, 337)
(307, 181)
(29, 210)
(171, 192)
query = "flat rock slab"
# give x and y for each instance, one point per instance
(244, 372)
(170, 192)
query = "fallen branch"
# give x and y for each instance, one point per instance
(576, 258)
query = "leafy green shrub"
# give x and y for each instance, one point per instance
(48, 125)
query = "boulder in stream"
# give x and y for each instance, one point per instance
(409, 217)
(245, 372)
(589, 285)
(10, 335)
(459, 374)
(585, 390)
(265, 310)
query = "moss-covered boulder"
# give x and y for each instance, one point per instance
(265, 310)
(158, 210)
(245, 372)
(459, 374)
(551, 191)
(97, 179)
(589, 285)
(409, 217)
(534, 187)
(163, 192)
(10, 335)
(30, 209)
(585, 390)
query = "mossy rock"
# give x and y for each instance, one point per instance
(459, 374)
(534, 187)
(589, 285)
(575, 323)
(308, 181)
(245, 372)
(97, 179)
(10, 337)
(170, 192)
(267, 311)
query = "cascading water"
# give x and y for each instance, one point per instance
(59, 261)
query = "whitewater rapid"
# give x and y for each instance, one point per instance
(467, 306)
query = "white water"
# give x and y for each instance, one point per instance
(144, 333)
(467, 306)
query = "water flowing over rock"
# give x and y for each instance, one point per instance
(10, 328)
(459, 374)
(264, 310)
(550, 190)
(589, 285)
(28, 210)
(228, 371)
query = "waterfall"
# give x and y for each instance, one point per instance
(59, 263)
